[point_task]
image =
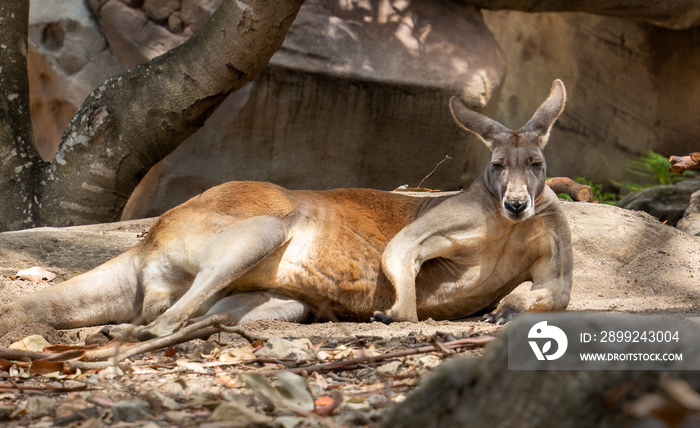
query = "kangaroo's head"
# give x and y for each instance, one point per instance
(516, 172)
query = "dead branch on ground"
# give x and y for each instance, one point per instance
(353, 363)
(576, 191)
(112, 354)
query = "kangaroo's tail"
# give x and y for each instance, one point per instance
(110, 293)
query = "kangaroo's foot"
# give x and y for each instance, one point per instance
(394, 315)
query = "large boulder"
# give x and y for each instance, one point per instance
(677, 14)
(690, 222)
(356, 97)
(667, 203)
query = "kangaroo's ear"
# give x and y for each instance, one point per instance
(542, 121)
(488, 130)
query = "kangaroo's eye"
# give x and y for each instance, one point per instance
(536, 165)
(497, 167)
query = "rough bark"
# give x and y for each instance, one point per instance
(135, 119)
(576, 191)
(681, 14)
(19, 160)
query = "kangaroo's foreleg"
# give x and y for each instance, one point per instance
(401, 263)
(231, 254)
(551, 286)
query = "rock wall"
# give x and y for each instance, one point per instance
(632, 87)
(357, 96)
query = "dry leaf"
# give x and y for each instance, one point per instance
(320, 381)
(341, 352)
(61, 348)
(228, 381)
(36, 274)
(46, 367)
(54, 375)
(366, 352)
(33, 343)
(110, 373)
(190, 365)
(245, 352)
(325, 405)
(292, 393)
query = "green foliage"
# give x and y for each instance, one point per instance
(653, 167)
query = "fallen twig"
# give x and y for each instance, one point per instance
(420, 188)
(439, 346)
(112, 355)
(42, 388)
(353, 362)
(420, 185)
(116, 352)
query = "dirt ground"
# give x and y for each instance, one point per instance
(634, 264)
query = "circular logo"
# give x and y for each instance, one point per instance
(554, 334)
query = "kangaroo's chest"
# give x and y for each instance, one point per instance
(480, 271)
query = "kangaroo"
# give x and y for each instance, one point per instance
(253, 250)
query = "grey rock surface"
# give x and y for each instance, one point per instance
(667, 203)
(690, 222)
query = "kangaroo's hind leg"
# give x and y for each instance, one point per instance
(231, 253)
(106, 294)
(259, 305)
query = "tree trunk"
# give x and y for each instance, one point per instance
(19, 160)
(133, 120)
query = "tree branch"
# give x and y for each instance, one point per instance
(680, 164)
(19, 160)
(135, 119)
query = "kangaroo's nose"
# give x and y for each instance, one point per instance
(517, 207)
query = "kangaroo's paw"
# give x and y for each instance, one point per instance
(156, 329)
(393, 315)
(123, 332)
(140, 333)
(500, 316)
(381, 317)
